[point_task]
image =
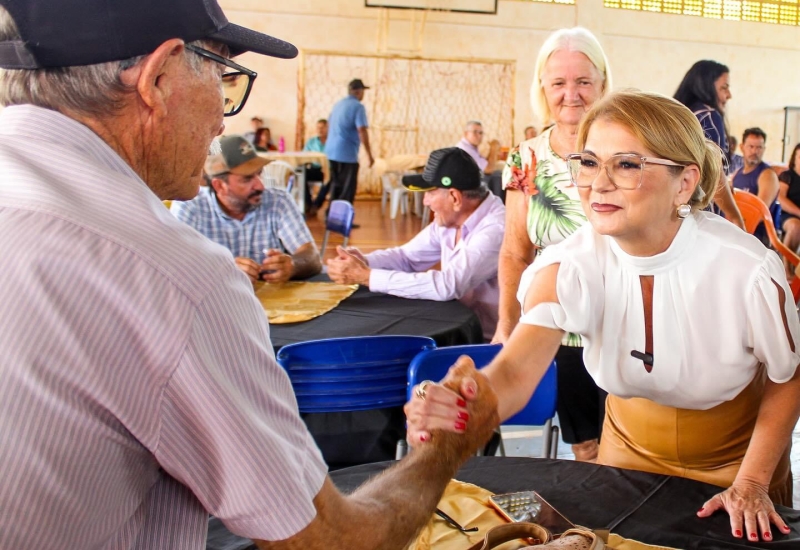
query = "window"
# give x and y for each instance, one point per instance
(783, 12)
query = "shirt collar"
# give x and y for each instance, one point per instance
(28, 122)
(674, 254)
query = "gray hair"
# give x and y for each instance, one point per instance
(476, 194)
(576, 39)
(91, 90)
(472, 123)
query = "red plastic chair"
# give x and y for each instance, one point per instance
(754, 212)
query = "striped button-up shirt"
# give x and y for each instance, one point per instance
(138, 387)
(275, 223)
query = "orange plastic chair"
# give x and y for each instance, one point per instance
(754, 211)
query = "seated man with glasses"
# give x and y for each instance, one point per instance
(262, 227)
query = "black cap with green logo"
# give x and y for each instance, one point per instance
(449, 168)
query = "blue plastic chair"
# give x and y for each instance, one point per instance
(340, 220)
(351, 374)
(540, 410)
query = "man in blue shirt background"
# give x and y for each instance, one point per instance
(347, 129)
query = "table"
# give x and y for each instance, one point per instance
(368, 313)
(298, 160)
(646, 507)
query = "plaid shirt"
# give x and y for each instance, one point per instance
(275, 223)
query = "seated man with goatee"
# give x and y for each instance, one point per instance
(262, 227)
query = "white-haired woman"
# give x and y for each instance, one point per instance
(543, 208)
(700, 362)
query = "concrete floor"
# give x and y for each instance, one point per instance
(527, 441)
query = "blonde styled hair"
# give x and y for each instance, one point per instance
(665, 127)
(576, 39)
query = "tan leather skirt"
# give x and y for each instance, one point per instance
(706, 446)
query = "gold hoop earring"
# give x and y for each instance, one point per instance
(684, 210)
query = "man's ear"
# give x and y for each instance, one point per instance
(216, 183)
(457, 198)
(158, 74)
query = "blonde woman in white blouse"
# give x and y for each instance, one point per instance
(687, 321)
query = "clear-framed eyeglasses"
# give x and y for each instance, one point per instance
(236, 84)
(624, 171)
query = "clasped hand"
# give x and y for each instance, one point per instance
(480, 408)
(349, 267)
(277, 267)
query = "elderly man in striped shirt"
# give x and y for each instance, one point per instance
(138, 387)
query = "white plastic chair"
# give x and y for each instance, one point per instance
(395, 192)
(276, 174)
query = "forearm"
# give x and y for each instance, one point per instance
(520, 366)
(724, 199)
(509, 273)
(777, 417)
(306, 264)
(363, 134)
(790, 208)
(386, 512)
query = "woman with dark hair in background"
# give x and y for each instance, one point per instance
(705, 90)
(789, 198)
(263, 140)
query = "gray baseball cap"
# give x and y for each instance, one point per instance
(238, 157)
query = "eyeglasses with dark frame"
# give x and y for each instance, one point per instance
(624, 170)
(236, 84)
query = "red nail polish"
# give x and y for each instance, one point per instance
(701, 509)
(461, 402)
(463, 415)
(753, 536)
(737, 533)
(471, 390)
(460, 425)
(423, 438)
(767, 535)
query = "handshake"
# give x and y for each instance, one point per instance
(457, 416)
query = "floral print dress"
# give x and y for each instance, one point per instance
(554, 207)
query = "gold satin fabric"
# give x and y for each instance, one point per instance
(706, 446)
(297, 301)
(469, 505)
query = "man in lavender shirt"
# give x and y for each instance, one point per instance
(139, 392)
(471, 140)
(465, 240)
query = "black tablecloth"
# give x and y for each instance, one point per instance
(646, 507)
(368, 313)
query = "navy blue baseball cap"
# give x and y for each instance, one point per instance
(67, 33)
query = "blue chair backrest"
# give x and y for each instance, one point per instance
(351, 374)
(434, 364)
(340, 217)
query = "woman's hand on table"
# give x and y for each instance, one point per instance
(439, 408)
(750, 508)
